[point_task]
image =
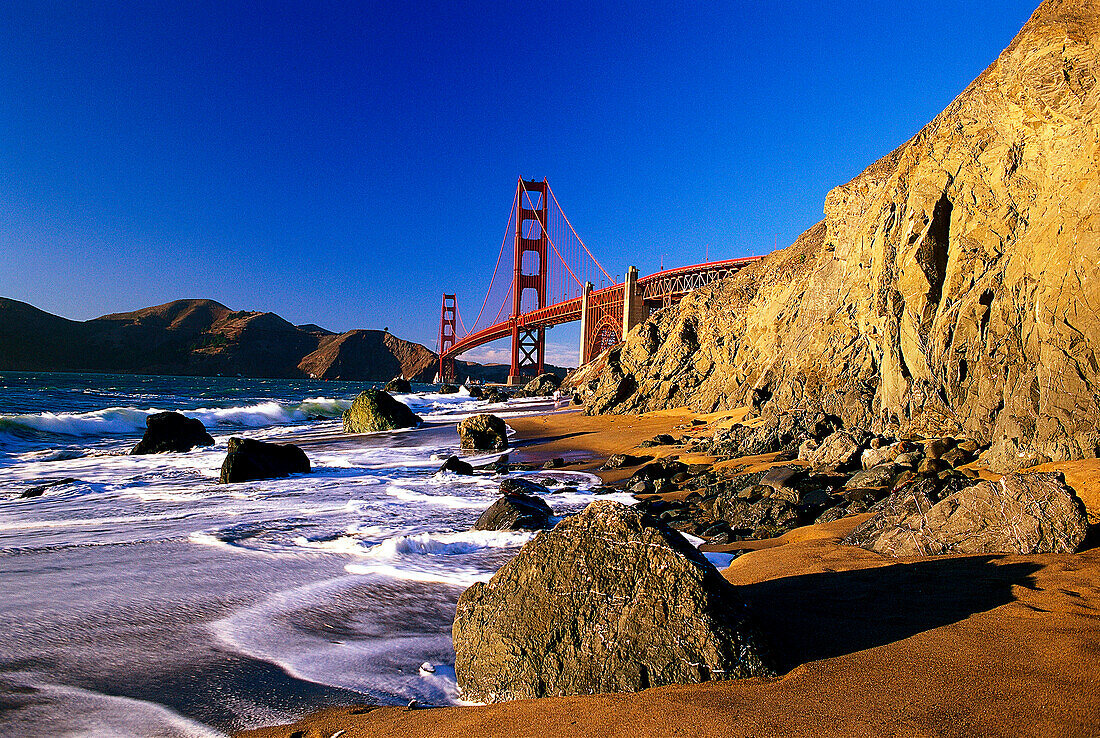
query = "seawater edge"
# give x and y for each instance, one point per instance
(146, 584)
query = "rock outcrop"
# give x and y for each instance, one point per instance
(374, 410)
(1022, 513)
(171, 432)
(483, 432)
(248, 460)
(608, 601)
(368, 355)
(953, 287)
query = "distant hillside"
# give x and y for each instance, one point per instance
(205, 338)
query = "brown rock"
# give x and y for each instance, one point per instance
(608, 601)
(483, 432)
(1021, 514)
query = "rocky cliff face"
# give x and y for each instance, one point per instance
(953, 286)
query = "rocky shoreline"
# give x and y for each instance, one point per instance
(787, 577)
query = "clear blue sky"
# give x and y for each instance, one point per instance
(345, 165)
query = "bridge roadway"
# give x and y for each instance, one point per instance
(609, 313)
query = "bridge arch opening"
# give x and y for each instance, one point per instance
(605, 336)
(532, 229)
(529, 263)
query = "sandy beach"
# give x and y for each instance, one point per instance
(869, 645)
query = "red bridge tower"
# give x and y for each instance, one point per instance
(528, 344)
(447, 338)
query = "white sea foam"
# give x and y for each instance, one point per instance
(462, 576)
(448, 501)
(83, 713)
(449, 544)
(131, 420)
(290, 629)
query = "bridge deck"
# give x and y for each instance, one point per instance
(670, 284)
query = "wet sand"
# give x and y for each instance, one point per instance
(937, 646)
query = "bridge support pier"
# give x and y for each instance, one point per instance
(634, 310)
(586, 324)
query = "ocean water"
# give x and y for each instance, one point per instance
(144, 599)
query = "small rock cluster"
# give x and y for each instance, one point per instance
(840, 472)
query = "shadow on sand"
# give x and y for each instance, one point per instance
(817, 616)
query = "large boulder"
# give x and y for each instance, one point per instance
(608, 601)
(516, 511)
(543, 385)
(1022, 513)
(398, 386)
(168, 432)
(249, 459)
(483, 432)
(374, 410)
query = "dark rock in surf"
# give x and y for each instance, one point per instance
(171, 432)
(40, 489)
(516, 511)
(249, 460)
(398, 386)
(456, 465)
(513, 485)
(494, 396)
(448, 389)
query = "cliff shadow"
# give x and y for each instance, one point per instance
(817, 616)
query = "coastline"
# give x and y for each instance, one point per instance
(949, 645)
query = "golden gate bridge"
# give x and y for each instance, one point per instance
(551, 279)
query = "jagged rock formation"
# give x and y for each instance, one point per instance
(608, 601)
(952, 289)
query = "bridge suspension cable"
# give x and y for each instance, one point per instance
(503, 243)
(547, 232)
(575, 235)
